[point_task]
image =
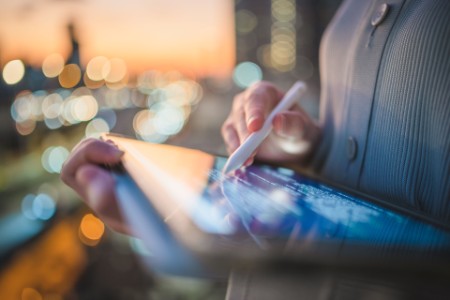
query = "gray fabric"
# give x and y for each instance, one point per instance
(253, 284)
(387, 87)
(326, 284)
(385, 108)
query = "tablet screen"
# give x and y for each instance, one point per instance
(263, 204)
(271, 203)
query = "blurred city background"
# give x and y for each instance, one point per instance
(163, 71)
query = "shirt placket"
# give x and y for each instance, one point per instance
(362, 83)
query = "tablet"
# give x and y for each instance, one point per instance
(195, 219)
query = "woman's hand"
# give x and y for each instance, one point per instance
(294, 133)
(94, 184)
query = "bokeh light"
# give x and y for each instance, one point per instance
(91, 230)
(145, 82)
(36, 104)
(44, 207)
(13, 71)
(264, 56)
(283, 45)
(168, 119)
(246, 21)
(96, 127)
(53, 65)
(109, 116)
(98, 68)
(53, 123)
(116, 71)
(27, 206)
(26, 127)
(53, 158)
(39, 207)
(52, 106)
(183, 93)
(64, 93)
(283, 10)
(70, 76)
(145, 128)
(30, 294)
(193, 90)
(67, 117)
(117, 85)
(142, 122)
(247, 73)
(118, 99)
(92, 84)
(84, 108)
(20, 110)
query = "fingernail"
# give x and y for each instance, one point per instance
(111, 142)
(248, 162)
(252, 123)
(119, 153)
(250, 120)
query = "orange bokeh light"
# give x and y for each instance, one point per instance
(70, 76)
(91, 230)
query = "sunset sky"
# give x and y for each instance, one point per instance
(191, 36)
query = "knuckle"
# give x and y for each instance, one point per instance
(264, 87)
(63, 177)
(90, 140)
(66, 178)
(226, 128)
(262, 93)
(237, 100)
(82, 145)
(85, 142)
(95, 145)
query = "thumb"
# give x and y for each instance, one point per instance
(97, 185)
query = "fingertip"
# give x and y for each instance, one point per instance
(278, 123)
(111, 142)
(254, 123)
(115, 149)
(249, 162)
(118, 153)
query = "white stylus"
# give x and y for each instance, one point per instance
(243, 152)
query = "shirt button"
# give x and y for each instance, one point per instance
(352, 148)
(380, 14)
